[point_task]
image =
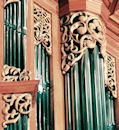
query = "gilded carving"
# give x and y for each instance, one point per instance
(11, 73)
(80, 31)
(42, 28)
(15, 105)
(111, 75)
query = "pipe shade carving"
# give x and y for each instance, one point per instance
(81, 31)
(11, 73)
(111, 74)
(42, 28)
(15, 105)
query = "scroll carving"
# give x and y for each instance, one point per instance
(11, 73)
(42, 28)
(15, 105)
(111, 75)
(80, 31)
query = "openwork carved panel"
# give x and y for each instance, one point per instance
(42, 28)
(15, 106)
(11, 73)
(111, 75)
(80, 31)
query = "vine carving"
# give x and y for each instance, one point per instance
(111, 74)
(11, 73)
(15, 105)
(80, 31)
(42, 28)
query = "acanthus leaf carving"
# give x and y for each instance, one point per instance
(15, 105)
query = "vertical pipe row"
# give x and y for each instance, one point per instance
(87, 99)
(43, 99)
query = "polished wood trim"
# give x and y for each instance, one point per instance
(30, 86)
(50, 5)
(30, 51)
(57, 77)
(117, 100)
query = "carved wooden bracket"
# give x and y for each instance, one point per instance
(15, 105)
(80, 31)
(11, 73)
(42, 28)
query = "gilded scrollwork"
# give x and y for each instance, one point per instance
(15, 105)
(80, 31)
(42, 28)
(111, 75)
(11, 73)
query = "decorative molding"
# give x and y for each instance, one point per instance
(42, 28)
(80, 31)
(111, 75)
(11, 73)
(15, 105)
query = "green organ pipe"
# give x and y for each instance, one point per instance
(90, 103)
(42, 72)
(14, 45)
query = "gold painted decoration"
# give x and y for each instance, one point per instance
(80, 31)
(11, 73)
(42, 28)
(111, 75)
(15, 105)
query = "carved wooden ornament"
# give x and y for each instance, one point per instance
(111, 75)
(42, 28)
(81, 31)
(11, 73)
(15, 105)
